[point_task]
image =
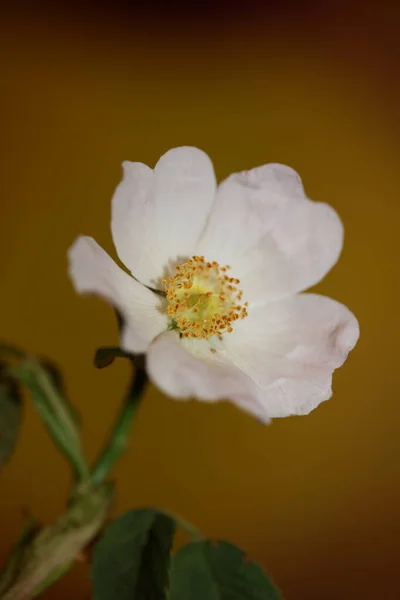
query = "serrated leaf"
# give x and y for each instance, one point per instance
(218, 571)
(10, 416)
(131, 561)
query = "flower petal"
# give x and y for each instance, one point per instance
(94, 272)
(290, 349)
(276, 240)
(189, 368)
(158, 215)
(278, 362)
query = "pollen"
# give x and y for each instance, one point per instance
(203, 300)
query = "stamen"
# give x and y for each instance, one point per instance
(203, 301)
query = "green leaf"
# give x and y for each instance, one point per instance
(10, 415)
(54, 412)
(218, 571)
(46, 385)
(58, 381)
(132, 559)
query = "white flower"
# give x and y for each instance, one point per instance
(232, 260)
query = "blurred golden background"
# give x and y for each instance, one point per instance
(315, 85)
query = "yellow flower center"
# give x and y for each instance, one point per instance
(203, 300)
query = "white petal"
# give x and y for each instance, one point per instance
(290, 349)
(94, 272)
(158, 216)
(276, 240)
(183, 369)
(277, 362)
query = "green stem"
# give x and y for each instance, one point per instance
(53, 578)
(54, 549)
(10, 570)
(120, 435)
